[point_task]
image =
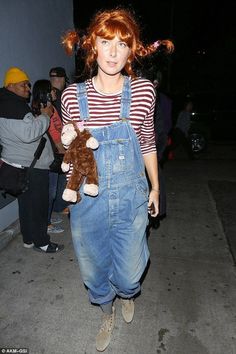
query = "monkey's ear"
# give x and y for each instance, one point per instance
(80, 125)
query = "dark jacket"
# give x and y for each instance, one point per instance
(12, 106)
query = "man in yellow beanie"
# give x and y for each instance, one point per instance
(15, 75)
(17, 81)
(20, 134)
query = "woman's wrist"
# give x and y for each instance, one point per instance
(155, 190)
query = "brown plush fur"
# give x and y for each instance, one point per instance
(84, 164)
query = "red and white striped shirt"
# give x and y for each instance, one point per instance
(104, 109)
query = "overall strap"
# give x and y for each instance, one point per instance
(82, 101)
(125, 99)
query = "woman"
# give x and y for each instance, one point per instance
(109, 231)
(42, 93)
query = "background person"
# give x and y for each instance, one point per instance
(162, 118)
(162, 127)
(42, 93)
(109, 231)
(180, 132)
(59, 81)
(20, 134)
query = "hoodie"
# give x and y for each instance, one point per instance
(20, 132)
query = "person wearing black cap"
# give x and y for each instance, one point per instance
(59, 81)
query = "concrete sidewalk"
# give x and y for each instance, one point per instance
(188, 300)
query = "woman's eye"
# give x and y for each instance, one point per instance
(104, 42)
(123, 44)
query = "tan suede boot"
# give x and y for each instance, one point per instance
(127, 309)
(104, 335)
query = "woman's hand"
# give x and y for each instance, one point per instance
(48, 110)
(60, 148)
(153, 203)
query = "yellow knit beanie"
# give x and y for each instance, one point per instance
(15, 75)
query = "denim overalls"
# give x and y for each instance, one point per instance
(109, 231)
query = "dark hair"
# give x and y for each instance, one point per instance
(41, 93)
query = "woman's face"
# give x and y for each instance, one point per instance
(54, 94)
(112, 55)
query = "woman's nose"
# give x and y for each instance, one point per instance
(113, 50)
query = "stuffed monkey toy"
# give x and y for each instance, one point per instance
(79, 144)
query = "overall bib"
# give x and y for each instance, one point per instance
(109, 231)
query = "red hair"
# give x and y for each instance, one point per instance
(108, 24)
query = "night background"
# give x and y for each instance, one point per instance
(203, 33)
